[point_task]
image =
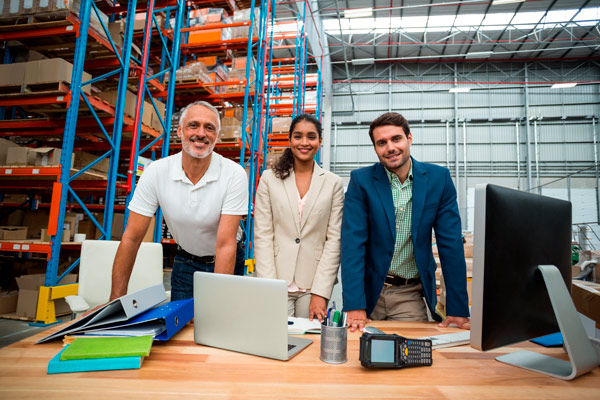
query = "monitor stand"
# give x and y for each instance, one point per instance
(581, 353)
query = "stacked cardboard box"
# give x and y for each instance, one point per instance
(273, 155)
(230, 128)
(208, 16)
(15, 155)
(39, 72)
(43, 8)
(149, 114)
(82, 159)
(242, 32)
(238, 72)
(281, 124)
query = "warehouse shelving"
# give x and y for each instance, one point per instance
(65, 184)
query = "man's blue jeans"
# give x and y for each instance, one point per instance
(182, 276)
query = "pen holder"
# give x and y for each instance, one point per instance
(334, 343)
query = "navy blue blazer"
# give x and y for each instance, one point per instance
(369, 233)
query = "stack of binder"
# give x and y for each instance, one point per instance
(101, 354)
(134, 314)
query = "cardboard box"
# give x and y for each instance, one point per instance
(13, 232)
(586, 297)
(6, 146)
(155, 122)
(50, 71)
(110, 96)
(88, 228)
(20, 156)
(230, 132)
(29, 286)
(46, 156)
(35, 221)
(281, 124)
(229, 121)
(8, 302)
(82, 158)
(11, 75)
(273, 156)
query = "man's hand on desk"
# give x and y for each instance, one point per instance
(357, 319)
(460, 322)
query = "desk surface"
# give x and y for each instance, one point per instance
(182, 368)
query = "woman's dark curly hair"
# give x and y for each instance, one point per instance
(283, 167)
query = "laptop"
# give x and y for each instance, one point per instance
(244, 314)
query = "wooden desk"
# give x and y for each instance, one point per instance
(180, 368)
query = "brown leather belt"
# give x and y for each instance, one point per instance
(392, 280)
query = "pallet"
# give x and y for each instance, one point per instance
(14, 316)
(38, 17)
(42, 88)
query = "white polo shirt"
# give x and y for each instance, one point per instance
(192, 212)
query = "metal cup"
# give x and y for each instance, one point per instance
(334, 343)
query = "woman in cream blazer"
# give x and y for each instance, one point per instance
(297, 222)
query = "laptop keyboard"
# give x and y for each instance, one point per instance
(291, 346)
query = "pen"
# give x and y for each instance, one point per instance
(336, 318)
(345, 319)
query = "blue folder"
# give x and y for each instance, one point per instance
(161, 322)
(552, 340)
(56, 366)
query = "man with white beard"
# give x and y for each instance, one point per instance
(203, 197)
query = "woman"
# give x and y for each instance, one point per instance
(297, 222)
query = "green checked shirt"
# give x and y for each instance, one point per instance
(403, 261)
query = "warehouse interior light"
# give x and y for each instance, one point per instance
(479, 54)
(459, 90)
(363, 61)
(359, 13)
(564, 85)
(498, 2)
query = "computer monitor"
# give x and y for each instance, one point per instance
(522, 279)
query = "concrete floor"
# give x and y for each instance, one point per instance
(13, 330)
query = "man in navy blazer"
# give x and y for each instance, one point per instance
(390, 210)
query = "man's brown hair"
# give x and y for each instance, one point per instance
(389, 118)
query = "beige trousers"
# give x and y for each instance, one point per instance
(401, 303)
(298, 303)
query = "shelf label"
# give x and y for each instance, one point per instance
(60, 98)
(35, 171)
(25, 247)
(16, 247)
(8, 171)
(69, 28)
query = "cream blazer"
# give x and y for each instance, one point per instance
(308, 250)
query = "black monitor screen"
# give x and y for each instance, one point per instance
(514, 233)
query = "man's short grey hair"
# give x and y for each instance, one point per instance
(202, 104)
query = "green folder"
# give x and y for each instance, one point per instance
(107, 347)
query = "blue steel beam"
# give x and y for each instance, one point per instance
(69, 137)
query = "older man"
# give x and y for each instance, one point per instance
(202, 195)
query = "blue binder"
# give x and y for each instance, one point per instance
(162, 322)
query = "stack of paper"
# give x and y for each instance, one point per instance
(101, 354)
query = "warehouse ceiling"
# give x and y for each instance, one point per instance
(367, 31)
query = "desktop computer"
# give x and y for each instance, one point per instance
(522, 280)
